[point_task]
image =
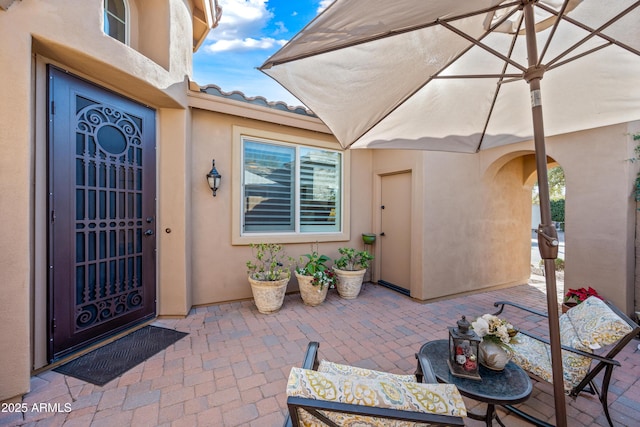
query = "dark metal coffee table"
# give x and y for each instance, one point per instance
(507, 387)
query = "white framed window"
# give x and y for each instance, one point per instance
(116, 19)
(291, 189)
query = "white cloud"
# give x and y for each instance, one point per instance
(241, 27)
(281, 28)
(323, 5)
(243, 44)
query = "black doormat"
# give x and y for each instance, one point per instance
(114, 359)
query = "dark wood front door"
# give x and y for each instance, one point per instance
(101, 213)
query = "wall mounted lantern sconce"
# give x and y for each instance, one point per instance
(213, 178)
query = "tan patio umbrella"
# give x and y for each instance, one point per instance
(448, 75)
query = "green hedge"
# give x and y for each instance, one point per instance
(557, 210)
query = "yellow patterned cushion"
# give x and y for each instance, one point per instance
(535, 356)
(569, 336)
(586, 327)
(596, 324)
(424, 398)
(336, 368)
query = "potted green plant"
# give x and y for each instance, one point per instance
(269, 275)
(314, 277)
(350, 269)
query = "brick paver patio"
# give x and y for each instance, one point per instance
(231, 369)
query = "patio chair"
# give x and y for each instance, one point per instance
(330, 394)
(592, 325)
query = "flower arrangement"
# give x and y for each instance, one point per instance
(576, 296)
(314, 264)
(492, 328)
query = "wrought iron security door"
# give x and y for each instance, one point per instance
(102, 212)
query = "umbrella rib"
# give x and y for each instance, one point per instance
(593, 32)
(437, 73)
(477, 42)
(553, 30)
(498, 87)
(270, 64)
(480, 76)
(501, 76)
(573, 58)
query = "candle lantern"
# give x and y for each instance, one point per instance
(463, 351)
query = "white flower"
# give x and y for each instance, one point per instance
(480, 326)
(491, 327)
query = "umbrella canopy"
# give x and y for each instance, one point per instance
(408, 74)
(448, 75)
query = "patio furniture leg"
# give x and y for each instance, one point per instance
(602, 395)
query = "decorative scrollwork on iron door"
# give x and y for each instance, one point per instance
(108, 247)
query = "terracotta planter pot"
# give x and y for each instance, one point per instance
(349, 282)
(311, 295)
(568, 305)
(268, 295)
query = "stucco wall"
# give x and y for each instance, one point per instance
(464, 212)
(470, 210)
(475, 210)
(67, 33)
(15, 211)
(477, 218)
(387, 162)
(599, 210)
(174, 183)
(218, 267)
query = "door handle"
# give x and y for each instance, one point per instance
(148, 232)
(382, 234)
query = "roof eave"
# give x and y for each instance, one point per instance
(206, 15)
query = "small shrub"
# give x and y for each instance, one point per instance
(352, 259)
(269, 263)
(559, 262)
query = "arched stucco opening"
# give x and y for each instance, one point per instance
(599, 205)
(530, 182)
(512, 178)
(536, 260)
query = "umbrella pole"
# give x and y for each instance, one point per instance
(547, 235)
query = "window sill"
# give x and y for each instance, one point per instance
(289, 238)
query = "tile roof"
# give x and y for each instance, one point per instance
(214, 90)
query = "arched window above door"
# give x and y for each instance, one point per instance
(116, 19)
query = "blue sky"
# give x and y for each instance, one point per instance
(248, 33)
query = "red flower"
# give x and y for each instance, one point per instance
(469, 365)
(579, 295)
